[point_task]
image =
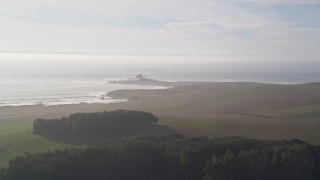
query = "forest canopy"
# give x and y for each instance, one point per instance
(173, 158)
(96, 124)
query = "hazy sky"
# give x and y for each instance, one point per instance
(162, 27)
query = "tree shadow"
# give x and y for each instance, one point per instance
(154, 130)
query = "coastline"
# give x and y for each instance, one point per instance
(267, 111)
(170, 88)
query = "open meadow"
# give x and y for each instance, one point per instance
(255, 110)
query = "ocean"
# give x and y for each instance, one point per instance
(49, 92)
(64, 79)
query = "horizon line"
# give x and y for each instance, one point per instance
(149, 54)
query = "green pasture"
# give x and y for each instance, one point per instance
(16, 139)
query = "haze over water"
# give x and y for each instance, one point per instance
(52, 79)
(269, 41)
(176, 68)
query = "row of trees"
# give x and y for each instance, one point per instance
(174, 158)
(104, 123)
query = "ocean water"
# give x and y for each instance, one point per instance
(58, 91)
(72, 79)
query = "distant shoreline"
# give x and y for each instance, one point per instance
(115, 97)
(151, 82)
(260, 110)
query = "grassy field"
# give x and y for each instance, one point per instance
(190, 127)
(208, 109)
(305, 112)
(16, 139)
(307, 130)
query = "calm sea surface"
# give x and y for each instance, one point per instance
(54, 81)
